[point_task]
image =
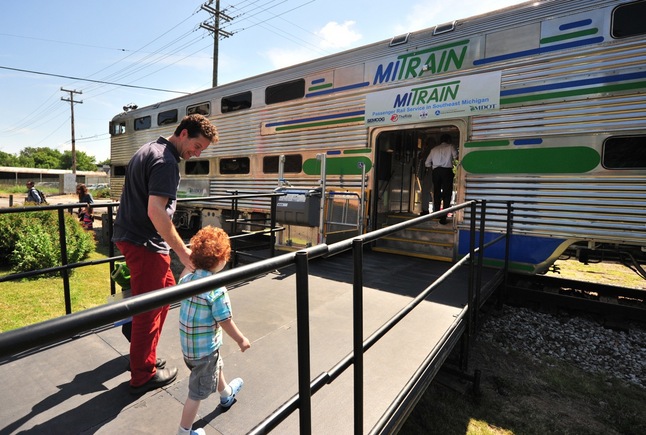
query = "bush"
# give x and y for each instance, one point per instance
(101, 193)
(31, 241)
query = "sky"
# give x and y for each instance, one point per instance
(111, 54)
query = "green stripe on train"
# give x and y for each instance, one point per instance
(566, 160)
(321, 123)
(337, 165)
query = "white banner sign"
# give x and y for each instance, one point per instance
(463, 96)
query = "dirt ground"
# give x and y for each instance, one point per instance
(520, 395)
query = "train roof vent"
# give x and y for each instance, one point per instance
(399, 40)
(444, 28)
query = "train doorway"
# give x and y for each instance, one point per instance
(399, 185)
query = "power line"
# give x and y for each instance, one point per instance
(63, 42)
(90, 80)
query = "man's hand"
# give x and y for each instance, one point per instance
(164, 226)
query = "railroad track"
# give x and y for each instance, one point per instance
(617, 305)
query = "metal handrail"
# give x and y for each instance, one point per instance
(51, 331)
(65, 267)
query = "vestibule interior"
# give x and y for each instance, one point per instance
(397, 155)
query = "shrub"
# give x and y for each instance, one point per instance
(30, 241)
(103, 192)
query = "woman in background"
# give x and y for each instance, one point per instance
(85, 214)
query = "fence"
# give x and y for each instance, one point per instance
(65, 266)
(48, 332)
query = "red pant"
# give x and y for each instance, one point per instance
(148, 271)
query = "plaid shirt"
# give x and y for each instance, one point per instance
(199, 332)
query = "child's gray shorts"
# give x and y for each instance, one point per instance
(204, 376)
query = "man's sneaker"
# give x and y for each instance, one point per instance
(235, 384)
(198, 431)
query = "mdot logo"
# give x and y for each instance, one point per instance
(394, 117)
(482, 107)
(381, 119)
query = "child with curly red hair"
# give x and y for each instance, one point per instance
(201, 321)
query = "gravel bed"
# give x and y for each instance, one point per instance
(580, 341)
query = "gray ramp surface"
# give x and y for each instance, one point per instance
(81, 385)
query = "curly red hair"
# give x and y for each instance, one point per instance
(210, 246)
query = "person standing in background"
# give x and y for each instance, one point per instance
(441, 160)
(32, 193)
(144, 233)
(424, 174)
(85, 214)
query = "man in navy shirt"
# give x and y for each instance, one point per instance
(144, 233)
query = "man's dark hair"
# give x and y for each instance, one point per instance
(197, 125)
(445, 138)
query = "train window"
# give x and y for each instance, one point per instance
(119, 171)
(625, 153)
(117, 128)
(285, 91)
(628, 20)
(236, 102)
(200, 109)
(143, 123)
(239, 165)
(167, 117)
(197, 167)
(293, 164)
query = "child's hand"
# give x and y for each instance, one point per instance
(244, 344)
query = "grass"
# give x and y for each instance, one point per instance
(19, 191)
(31, 301)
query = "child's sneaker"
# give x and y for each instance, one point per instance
(235, 384)
(198, 431)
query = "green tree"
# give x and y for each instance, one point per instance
(7, 159)
(41, 157)
(84, 162)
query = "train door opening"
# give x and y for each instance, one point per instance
(398, 156)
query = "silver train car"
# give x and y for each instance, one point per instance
(545, 101)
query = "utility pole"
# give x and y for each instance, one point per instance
(71, 101)
(217, 32)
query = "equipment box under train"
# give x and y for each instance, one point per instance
(299, 207)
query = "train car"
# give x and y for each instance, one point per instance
(545, 101)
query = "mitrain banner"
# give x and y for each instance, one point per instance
(463, 96)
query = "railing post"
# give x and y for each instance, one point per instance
(470, 292)
(357, 333)
(507, 246)
(64, 273)
(234, 228)
(303, 338)
(362, 197)
(110, 210)
(483, 218)
(272, 225)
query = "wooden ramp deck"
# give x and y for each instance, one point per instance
(80, 386)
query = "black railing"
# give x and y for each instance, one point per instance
(65, 266)
(51, 331)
